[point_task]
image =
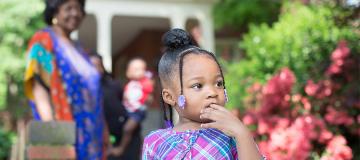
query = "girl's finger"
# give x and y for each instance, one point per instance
(218, 107)
(211, 115)
(212, 108)
(207, 110)
(208, 125)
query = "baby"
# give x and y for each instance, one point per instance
(136, 93)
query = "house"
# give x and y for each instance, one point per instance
(122, 29)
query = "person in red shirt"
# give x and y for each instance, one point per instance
(136, 94)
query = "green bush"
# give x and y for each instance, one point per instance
(18, 22)
(301, 40)
(6, 142)
(239, 14)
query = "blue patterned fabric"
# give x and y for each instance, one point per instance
(84, 95)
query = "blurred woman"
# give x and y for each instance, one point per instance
(116, 115)
(60, 81)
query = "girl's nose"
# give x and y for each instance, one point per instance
(212, 93)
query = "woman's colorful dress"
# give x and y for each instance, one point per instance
(203, 144)
(73, 84)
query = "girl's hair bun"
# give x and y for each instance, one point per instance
(177, 39)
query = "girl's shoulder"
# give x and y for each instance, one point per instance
(157, 135)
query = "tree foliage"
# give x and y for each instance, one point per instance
(6, 142)
(239, 14)
(301, 40)
(18, 22)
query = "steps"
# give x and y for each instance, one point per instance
(45, 140)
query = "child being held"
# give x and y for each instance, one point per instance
(139, 87)
(136, 94)
(193, 84)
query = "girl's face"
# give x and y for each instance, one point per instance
(69, 15)
(202, 85)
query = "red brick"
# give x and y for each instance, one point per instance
(51, 152)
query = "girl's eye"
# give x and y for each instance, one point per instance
(196, 86)
(219, 84)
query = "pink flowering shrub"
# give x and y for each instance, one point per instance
(322, 120)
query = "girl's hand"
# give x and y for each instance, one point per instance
(223, 120)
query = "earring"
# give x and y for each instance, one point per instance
(226, 96)
(54, 21)
(181, 101)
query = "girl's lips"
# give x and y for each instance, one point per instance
(208, 105)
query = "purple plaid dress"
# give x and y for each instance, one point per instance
(200, 144)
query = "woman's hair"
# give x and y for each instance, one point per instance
(178, 43)
(52, 7)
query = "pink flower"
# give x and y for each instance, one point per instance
(283, 123)
(341, 52)
(296, 98)
(248, 119)
(311, 88)
(338, 57)
(337, 149)
(338, 117)
(277, 91)
(262, 127)
(325, 135)
(290, 124)
(264, 149)
(306, 103)
(333, 69)
(319, 90)
(255, 87)
(289, 143)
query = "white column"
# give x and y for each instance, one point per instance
(178, 21)
(104, 38)
(207, 28)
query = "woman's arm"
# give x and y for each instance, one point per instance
(42, 101)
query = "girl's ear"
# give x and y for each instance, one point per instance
(168, 97)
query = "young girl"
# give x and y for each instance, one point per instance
(193, 84)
